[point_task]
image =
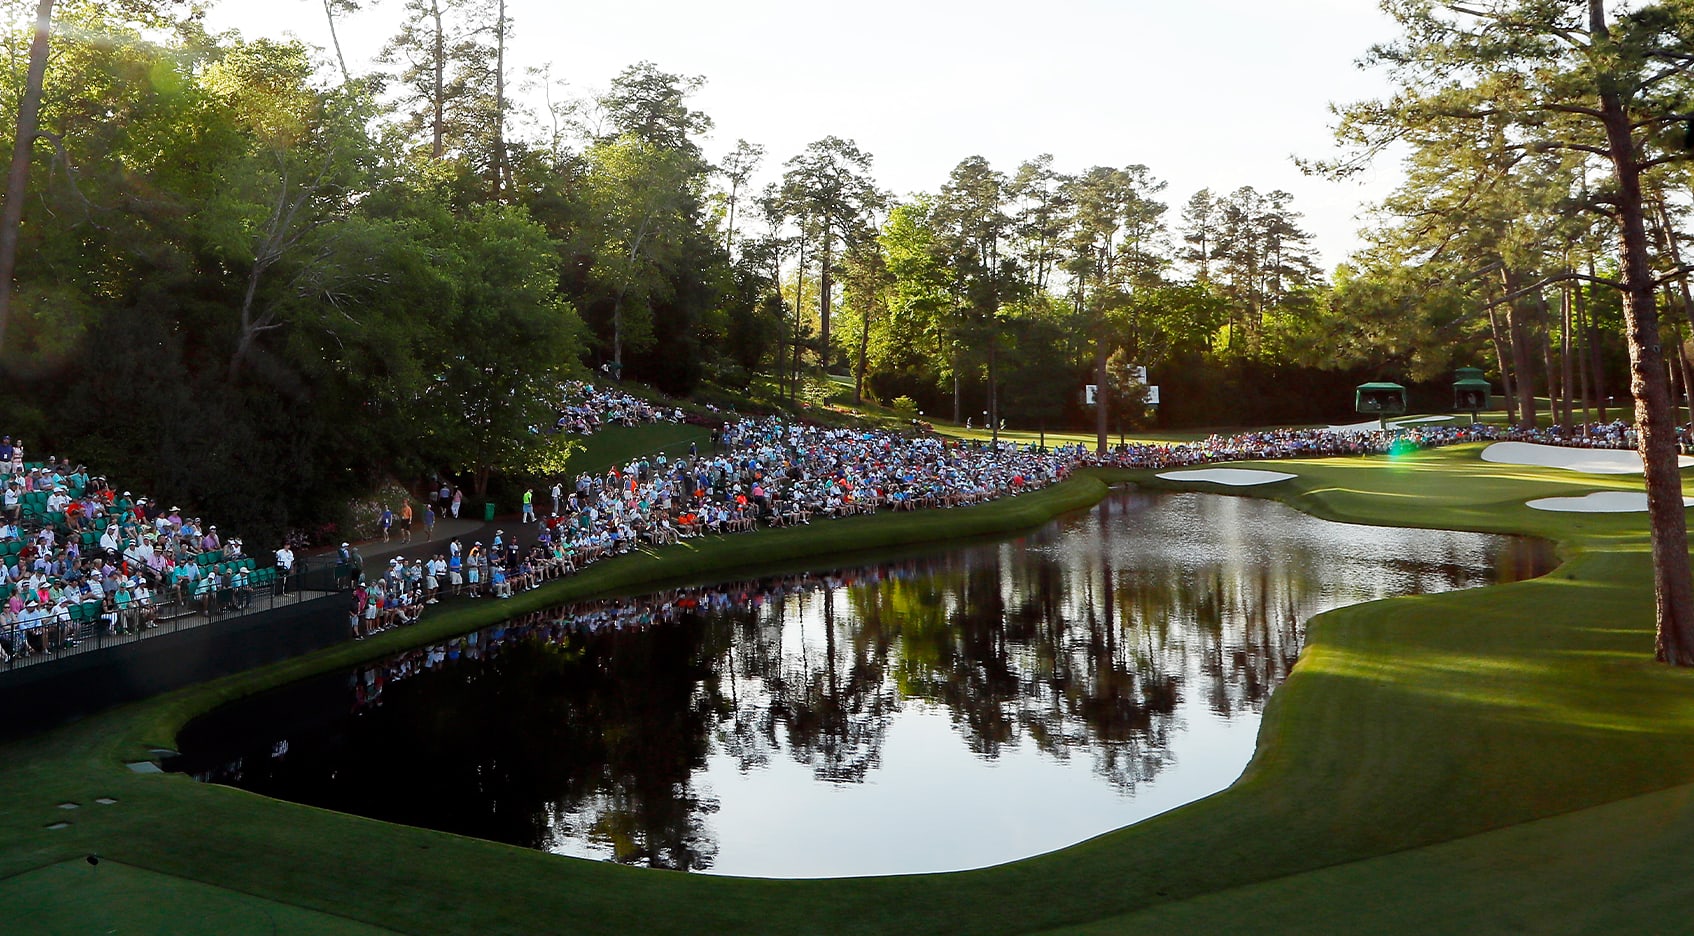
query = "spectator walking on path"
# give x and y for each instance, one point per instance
(385, 522)
(406, 521)
(528, 506)
(458, 498)
(429, 522)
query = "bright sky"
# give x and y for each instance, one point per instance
(1206, 93)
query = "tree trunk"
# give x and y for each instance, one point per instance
(1597, 360)
(1667, 242)
(864, 352)
(1682, 393)
(1102, 416)
(729, 232)
(438, 126)
(335, 40)
(1545, 340)
(499, 154)
(617, 331)
(29, 117)
(1504, 360)
(1566, 373)
(1656, 434)
(1519, 344)
(1582, 352)
(799, 322)
(825, 281)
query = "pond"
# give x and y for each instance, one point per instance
(943, 712)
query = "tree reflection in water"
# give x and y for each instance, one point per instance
(590, 729)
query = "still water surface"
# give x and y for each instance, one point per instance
(938, 713)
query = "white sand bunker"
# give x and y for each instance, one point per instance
(1600, 502)
(1235, 477)
(1355, 428)
(1373, 425)
(1592, 461)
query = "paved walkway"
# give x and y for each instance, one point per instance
(377, 553)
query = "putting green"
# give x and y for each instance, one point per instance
(1507, 758)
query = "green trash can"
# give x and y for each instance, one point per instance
(488, 512)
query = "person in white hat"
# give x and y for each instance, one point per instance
(284, 567)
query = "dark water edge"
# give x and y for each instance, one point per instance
(931, 712)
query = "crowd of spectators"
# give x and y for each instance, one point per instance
(584, 407)
(81, 558)
(774, 472)
(1318, 443)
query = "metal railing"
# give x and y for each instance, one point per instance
(72, 632)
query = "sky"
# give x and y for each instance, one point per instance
(1205, 93)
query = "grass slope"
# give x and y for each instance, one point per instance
(1456, 758)
(616, 445)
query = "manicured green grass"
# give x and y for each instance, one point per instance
(1507, 758)
(115, 898)
(617, 445)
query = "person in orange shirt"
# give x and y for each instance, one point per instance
(406, 520)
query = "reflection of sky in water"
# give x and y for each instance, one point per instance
(919, 793)
(944, 712)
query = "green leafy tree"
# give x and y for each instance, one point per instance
(975, 232)
(1113, 248)
(828, 191)
(513, 343)
(738, 168)
(1565, 75)
(1039, 375)
(1264, 261)
(916, 338)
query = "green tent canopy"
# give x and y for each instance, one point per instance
(1380, 399)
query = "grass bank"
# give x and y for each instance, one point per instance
(617, 445)
(1432, 762)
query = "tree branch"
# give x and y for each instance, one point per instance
(1544, 282)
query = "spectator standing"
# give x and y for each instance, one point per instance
(356, 613)
(406, 521)
(284, 567)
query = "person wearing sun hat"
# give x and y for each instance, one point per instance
(343, 564)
